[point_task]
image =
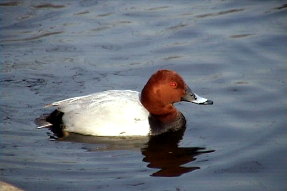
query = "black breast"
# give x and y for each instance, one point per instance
(157, 127)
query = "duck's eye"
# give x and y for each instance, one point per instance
(173, 84)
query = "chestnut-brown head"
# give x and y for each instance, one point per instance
(164, 88)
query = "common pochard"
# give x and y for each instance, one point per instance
(126, 112)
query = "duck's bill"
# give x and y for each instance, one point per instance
(194, 98)
(201, 100)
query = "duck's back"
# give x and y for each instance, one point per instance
(108, 113)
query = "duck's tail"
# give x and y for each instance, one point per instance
(52, 121)
(42, 122)
(47, 125)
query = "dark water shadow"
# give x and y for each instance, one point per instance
(160, 152)
(163, 152)
(95, 143)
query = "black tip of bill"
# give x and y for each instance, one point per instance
(207, 102)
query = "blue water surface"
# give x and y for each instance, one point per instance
(233, 52)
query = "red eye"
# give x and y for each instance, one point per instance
(173, 84)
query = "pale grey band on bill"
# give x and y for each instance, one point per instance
(201, 100)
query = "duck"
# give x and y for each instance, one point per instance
(126, 112)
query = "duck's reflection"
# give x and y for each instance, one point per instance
(162, 152)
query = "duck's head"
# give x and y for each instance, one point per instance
(164, 88)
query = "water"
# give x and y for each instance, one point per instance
(233, 52)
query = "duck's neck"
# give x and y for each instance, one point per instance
(166, 116)
(165, 113)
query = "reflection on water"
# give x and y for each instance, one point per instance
(163, 152)
(160, 152)
(104, 143)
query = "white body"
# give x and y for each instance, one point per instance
(108, 113)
